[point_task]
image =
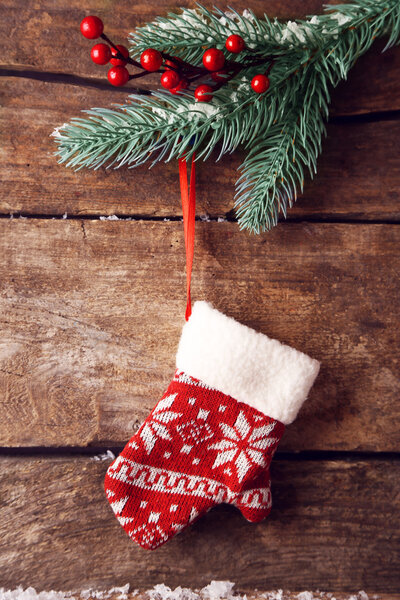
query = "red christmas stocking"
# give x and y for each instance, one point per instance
(211, 437)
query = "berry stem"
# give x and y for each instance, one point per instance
(268, 71)
(222, 83)
(190, 72)
(253, 63)
(119, 55)
(196, 77)
(143, 74)
(179, 63)
(235, 68)
(139, 91)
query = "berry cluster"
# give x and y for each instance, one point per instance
(176, 74)
(117, 55)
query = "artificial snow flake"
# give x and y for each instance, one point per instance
(120, 593)
(220, 589)
(106, 456)
(31, 594)
(56, 131)
(163, 592)
(216, 590)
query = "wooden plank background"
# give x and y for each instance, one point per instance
(91, 312)
(96, 324)
(316, 529)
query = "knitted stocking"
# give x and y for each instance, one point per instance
(211, 437)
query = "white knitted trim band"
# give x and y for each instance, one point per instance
(249, 366)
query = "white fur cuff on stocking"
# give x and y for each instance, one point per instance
(249, 366)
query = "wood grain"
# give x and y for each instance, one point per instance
(91, 315)
(334, 525)
(359, 179)
(45, 36)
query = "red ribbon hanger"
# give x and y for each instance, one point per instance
(188, 195)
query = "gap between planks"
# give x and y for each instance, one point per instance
(358, 180)
(369, 116)
(228, 218)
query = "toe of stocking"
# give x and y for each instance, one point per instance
(255, 503)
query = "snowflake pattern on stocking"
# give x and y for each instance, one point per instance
(242, 446)
(157, 427)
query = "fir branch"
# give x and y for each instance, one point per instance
(153, 129)
(273, 170)
(282, 129)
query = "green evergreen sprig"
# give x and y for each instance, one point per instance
(281, 129)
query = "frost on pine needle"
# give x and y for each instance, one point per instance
(296, 32)
(341, 19)
(199, 110)
(196, 110)
(293, 32)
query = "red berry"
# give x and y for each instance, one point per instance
(260, 83)
(170, 79)
(100, 54)
(118, 75)
(219, 76)
(92, 27)
(213, 59)
(151, 59)
(203, 93)
(182, 85)
(119, 62)
(235, 43)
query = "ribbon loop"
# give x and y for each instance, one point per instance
(188, 195)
